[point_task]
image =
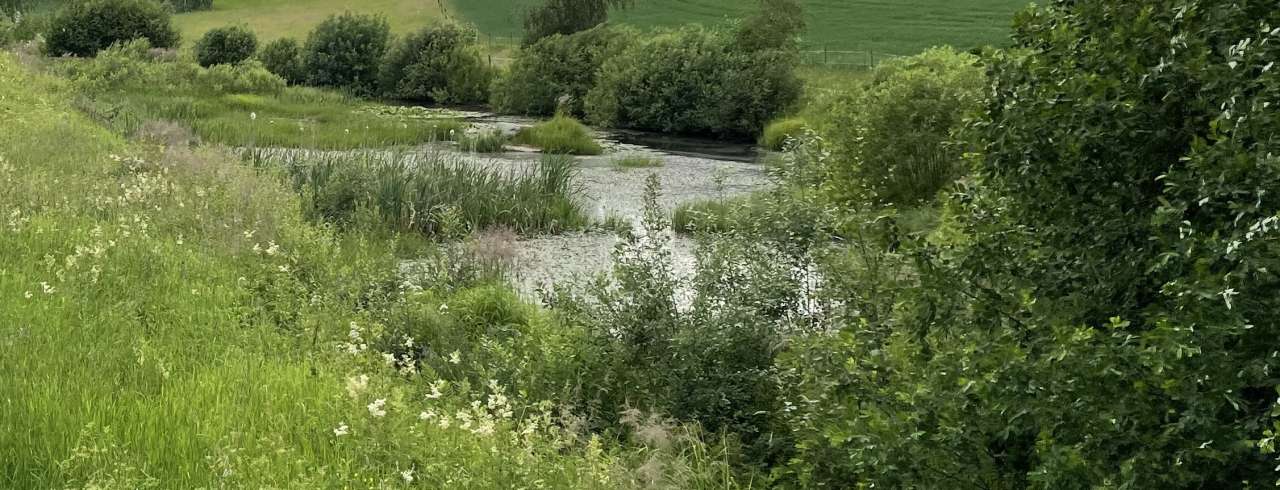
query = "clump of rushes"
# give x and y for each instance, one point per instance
(636, 160)
(438, 194)
(562, 135)
(778, 133)
(711, 216)
(492, 141)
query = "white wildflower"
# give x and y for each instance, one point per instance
(272, 248)
(435, 389)
(342, 430)
(389, 359)
(44, 286)
(377, 408)
(407, 475)
(253, 116)
(27, 295)
(357, 384)
(456, 357)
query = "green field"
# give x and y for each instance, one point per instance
(882, 26)
(273, 19)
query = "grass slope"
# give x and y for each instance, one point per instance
(273, 19)
(883, 26)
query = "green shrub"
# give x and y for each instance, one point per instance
(693, 81)
(181, 6)
(439, 64)
(892, 139)
(562, 134)
(84, 28)
(779, 133)
(226, 46)
(567, 17)
(284, 58)
(345, 51)
(556, 67)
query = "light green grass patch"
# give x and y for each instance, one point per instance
(272, 19)
(562, 134)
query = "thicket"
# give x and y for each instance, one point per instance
(346, 51)
(439, 64)
(84, 28)
(555, 73)
(893, 138)
(566, 17)
(284, 58)
(693, 81)
(226, 46)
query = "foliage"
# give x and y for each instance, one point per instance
(439, 64)
(345, 51)
(84, 28)
(779, 133)
(436, 194)
(556, 73)
(182, 6)
(693, 81)
(562, 134)
(636, 160)
(284, 58)
(1106, 321)
(566, 17)
(226, 46)
(492, 141)
(892, 140)
(775, 25)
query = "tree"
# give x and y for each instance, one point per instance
(567, 17)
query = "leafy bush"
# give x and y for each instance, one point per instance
(562, 134)
(775, 25)
(693, 81)
(1110, 319)
(345, 51)
(892, 139)
(554, 68)
(226, 46)
(440, 64)
(284, 58)
(181, 6)
(778, 133)
(84, 28)
(567, 17)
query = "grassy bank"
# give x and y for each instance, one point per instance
(169, 319)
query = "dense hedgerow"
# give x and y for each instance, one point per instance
(345, 51)
(892, 139)
(84, 28)
(438, 64)
(226, 46)
(556, 69)
(284, 58)
(693, 81)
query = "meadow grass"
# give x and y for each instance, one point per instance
(298, 117)
(272, 19)
(778, 133)
(901, 28)
(168, 319)
(493, 141)
(562, 134)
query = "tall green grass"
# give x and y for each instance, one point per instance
(562, 134)
(437, 193)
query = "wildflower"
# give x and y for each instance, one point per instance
(253, 116)
(408, 342)
(435, 389)
(444, 422)
(272, 248)
(1227, 294)
(27, 295)
(390, 359)
(357, 384)
(284, 269)
(342, 430)
(443, 307)
(455, 357)
(426, 415)
(44, 286)
(377, 408)
(407, 475)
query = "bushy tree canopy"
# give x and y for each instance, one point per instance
(84, 28)
(226, 45)
(346, 51)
